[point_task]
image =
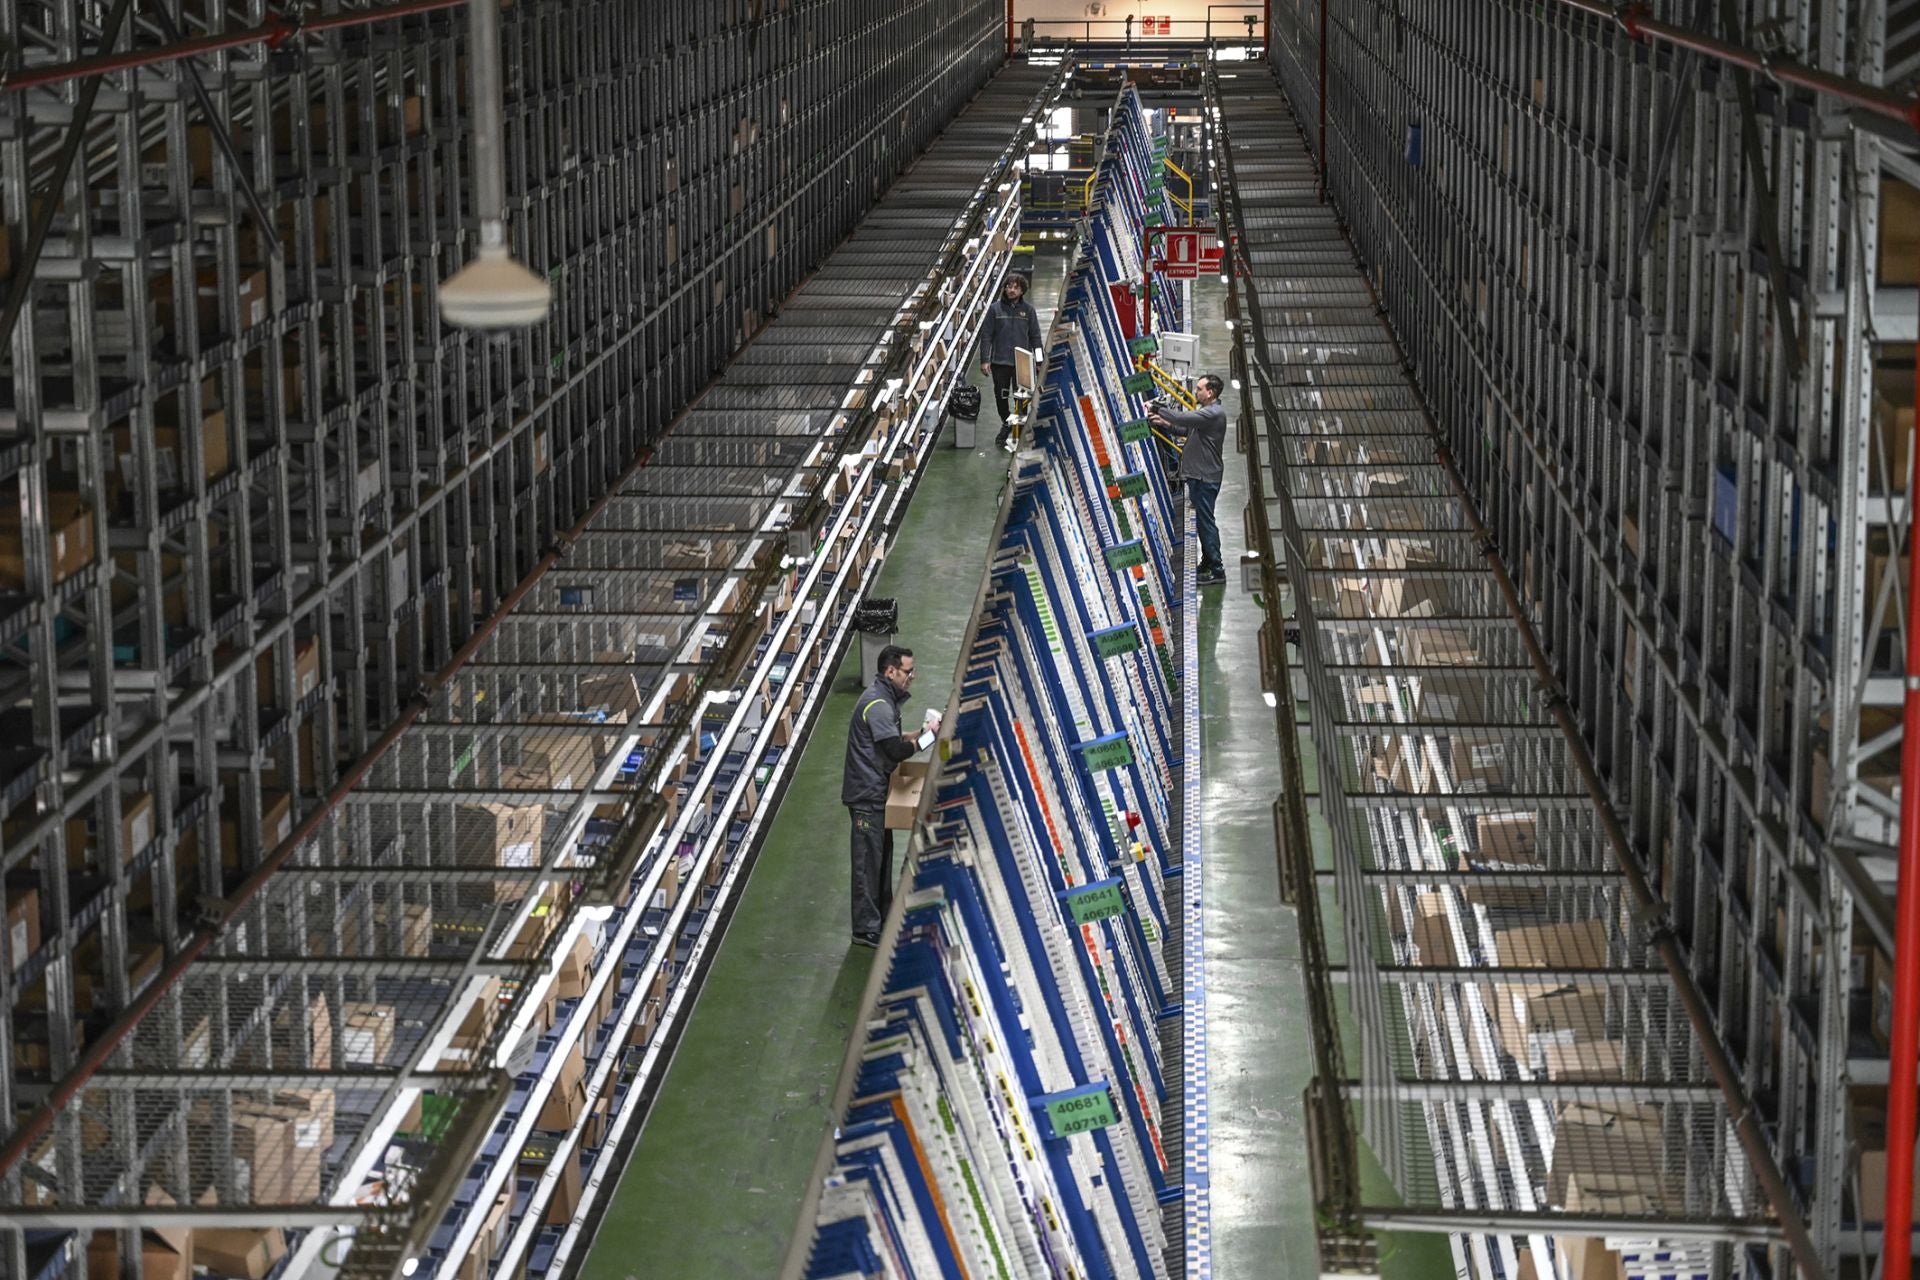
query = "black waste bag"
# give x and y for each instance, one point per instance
(964, 402)
(877, 617)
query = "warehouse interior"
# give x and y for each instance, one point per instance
(462, 458)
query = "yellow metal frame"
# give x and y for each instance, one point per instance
(1165, 381)
(1185, 206)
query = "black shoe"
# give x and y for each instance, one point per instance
(866, 940)
(1211, 577)
(1000, 441)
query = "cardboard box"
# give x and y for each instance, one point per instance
(1869, 1132)
(306, 672)
(1477, 763)
(1534, 1016)
(276, 824)
(261, 1143)
(474, 1030)
(668, 894)
(319, 1032)
(575, 967)
(616, 696)
(23, 923)
(1578, 945)
(501, 835)
(1587, 1258)
(1507, 837)
(566, 1193)
(69, 537)
(158, 1260)
(366, 1033)
(1880, 983)
(1899, 233)
(1892, 431)
(1584, 1060)
(903, 793)
(1433, 931)
(248, 1253)
(568, 1097)
(1609, 1160)
(416, 927)
(137, 819)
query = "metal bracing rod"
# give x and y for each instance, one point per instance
(1488, 1222)
(222, 138)
(70, 147)
(1634, 20)
(100, 1051)
(1896, 1258)
(273, 34)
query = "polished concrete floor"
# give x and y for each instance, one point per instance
(1257, 1025)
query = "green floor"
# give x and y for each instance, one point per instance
(715, 1183)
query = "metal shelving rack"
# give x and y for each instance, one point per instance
(1661, 310)
(369, 674)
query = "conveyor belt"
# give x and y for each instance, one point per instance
(1525, 1074)
(1040, 967)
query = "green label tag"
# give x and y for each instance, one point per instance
(1110, 752)
(1135, 431)
(1115, 641)
(1137, 384)
(1079, 1110)
(1126, 555)
(1132, 486)
(1099, 901)
(1144, 346)
(463, 760)
(1155, 219)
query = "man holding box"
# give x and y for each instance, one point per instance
(875, 747)
(1204, 429)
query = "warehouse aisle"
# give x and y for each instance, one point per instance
(716, 1179)
(1257, 1022)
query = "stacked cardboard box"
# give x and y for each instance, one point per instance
(1432, 931)
(69, 538)
(1587, 1258)
(246, 1253)
(1611, 1160)
(366, 1033)
(136, 831)
(1869, 1133)
(500, 835)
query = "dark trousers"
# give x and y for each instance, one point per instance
(872, 869)
(1202, 494)
(1002, 389)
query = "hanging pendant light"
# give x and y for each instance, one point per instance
(493, 291)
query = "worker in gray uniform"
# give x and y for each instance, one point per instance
(1204, 429)
(875, 746)
(1011, 323)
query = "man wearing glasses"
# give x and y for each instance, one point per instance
(875, 746)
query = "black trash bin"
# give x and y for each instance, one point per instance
(963, 406)
(877, 619)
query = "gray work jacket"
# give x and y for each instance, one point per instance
(1205, 429)
(874, 746)
(1006, 328)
